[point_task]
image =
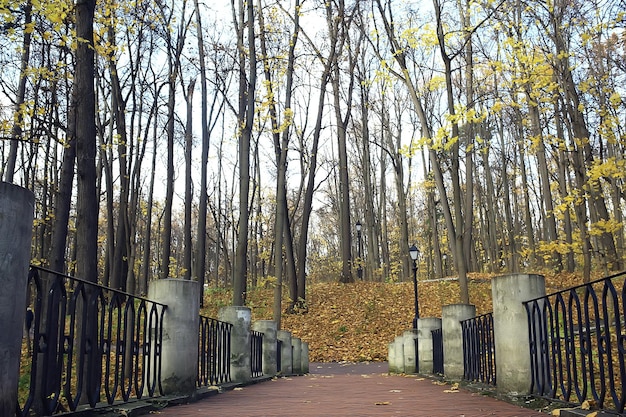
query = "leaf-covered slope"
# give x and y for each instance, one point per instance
(356, 322)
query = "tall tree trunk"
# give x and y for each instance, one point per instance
(166, 232)
(511, 244)
(530, 233)
(120, 266)
(336, 32)
(16, 131)
(307, 205)
(174, 51)
(83, 94)
(200, 268)
(247, 90)
(400, 58)
(544, 179)
(147, 249)
(462, 257)
(597, 205)
(188, 244)
(570, 263)
(372, 261)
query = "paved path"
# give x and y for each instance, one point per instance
(348, 390)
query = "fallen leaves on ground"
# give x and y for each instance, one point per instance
(356, 322)
(453, 388)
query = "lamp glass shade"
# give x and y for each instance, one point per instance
(358, 226)
(413, 252)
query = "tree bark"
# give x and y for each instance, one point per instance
(247, 89)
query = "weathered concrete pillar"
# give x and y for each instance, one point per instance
(305, 358)
(510, 325)
(268, 328)
(425, 327)
(297, 355)
(391, 355)
(286, 352)
(17, 207)
(410, 354)
(179, 352)
(239, 317)
(396, 356)
(451, 318)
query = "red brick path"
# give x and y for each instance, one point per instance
(348, 390)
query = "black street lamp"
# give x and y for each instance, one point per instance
(413, 252)
(359, 270)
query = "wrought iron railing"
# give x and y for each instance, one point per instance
(479, 354)
(279, 355)
(437, 336)
(90, 344)
(213, 352)
(578, 341)
(256, 353)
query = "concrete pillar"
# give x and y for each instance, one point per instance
(305, 358)
(425, 327)
(286, 355)
(410, 354)
(510, 325)
(396, 356)
(268, 328)
(239, 317)
(297, 355)
(179, 352)
(17, 207)
(451, 318)
(391, 355)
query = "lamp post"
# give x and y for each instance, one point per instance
(445, 265)
(413, 252)
(359, 270)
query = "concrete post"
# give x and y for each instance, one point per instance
(297, 355)
(451, 318)
(305, 358)
(286, 355)
(396, 356)
(425, 327)
(410, 354)
(510, 325)
(179, 352)
(391, 354)
(17, 207)
(268, 328)
(239, 317)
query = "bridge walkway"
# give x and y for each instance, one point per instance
(335, 389)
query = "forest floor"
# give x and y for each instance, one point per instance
(355, 322)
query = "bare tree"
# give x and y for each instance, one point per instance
(243, 20)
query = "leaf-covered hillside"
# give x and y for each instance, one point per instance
(355, 322)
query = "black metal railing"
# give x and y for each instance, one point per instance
(213, 352)
(578, 341)
(279, 355)
(479, 354)
(90, 344)
(437, 336)
(256, 353)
